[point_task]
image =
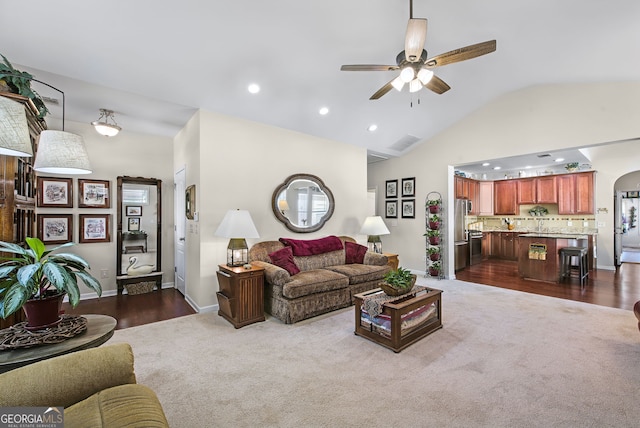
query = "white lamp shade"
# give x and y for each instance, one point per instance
(237, 224)
(61, 152)
(106, 129)
(374, 226)
(14, 130)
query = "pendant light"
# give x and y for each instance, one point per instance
(14, 130)
(103, 126)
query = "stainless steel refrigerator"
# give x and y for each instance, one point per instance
(461, 209)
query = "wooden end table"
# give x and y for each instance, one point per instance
(241, 295)
(392, 260)
(397, 308)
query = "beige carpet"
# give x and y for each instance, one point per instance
(503, 359)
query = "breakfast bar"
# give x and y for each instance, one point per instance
(539, 259)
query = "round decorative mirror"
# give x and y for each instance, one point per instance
(303, 203)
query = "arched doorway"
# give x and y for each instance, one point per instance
(627, 228)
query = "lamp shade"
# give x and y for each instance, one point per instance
(237, 225)
(14, 130)
(61, 152)
(374, 226)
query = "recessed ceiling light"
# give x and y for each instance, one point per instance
(559, 159)
(324, 110)
(254, 88)
(486, 164)
(372, 127)
(528, 167)
(496, 168)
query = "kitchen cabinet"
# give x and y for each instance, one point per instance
(485, 198)
(462, 187)
(540, 190)
(486, 245)
(474, 197)
(504, 245)
(505, 197)
(526, 191)
(575, 193)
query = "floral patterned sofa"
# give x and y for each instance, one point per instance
(305, 278)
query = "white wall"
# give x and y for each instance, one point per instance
(240, 164)
(130, 154)
(535, 119)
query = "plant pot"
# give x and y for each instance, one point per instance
(393, 290)
(434, 272)
(434, 240)
(434, 209)
(43, 313)
(434, 257)
(434, 225)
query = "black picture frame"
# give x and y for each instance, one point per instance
(391, 209)
(391, 188)
(134, 210)
(408, 208)
(134, 224)
(408, 187)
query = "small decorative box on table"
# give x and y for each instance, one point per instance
(397, 322)
(241, 295)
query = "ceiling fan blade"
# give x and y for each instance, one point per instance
(386, 88)
(462, 54)
(415, 38)
(437, 85)
(368, 67)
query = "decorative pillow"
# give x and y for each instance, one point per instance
(354, 252)
(284, 258)
(312, 247)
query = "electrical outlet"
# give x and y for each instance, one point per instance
(569, 223)
(104, 273)
(585, 224)
(601, 224)
(518, 223)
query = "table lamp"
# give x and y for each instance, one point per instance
(237, 225)
(374, 227)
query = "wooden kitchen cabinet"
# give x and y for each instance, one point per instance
(241, 295)
(461, 187)
(504, 245)
(505, 197)
(474, 197)
(575, 193)
(486, 245)
(546, 190)
(485, 198)
(526, 191)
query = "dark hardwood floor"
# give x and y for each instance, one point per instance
(616, 289)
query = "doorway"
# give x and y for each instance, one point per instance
(627, 230)
(180, 231)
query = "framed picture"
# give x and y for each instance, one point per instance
(392, 188)
(134, 211)
(55, 228)
(95, 228)
(408, 187)
(408, 208)
(391, 209)
(190, 201)
(94, 194)
(55, 192)
(134, 224)
(632, 194)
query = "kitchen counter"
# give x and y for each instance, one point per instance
(555, 235)
(538, 255)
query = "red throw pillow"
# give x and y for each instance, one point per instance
(284, 258)
(311, 247)
(354, 252)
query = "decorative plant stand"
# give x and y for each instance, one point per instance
(434, 222)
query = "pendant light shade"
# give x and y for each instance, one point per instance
(61, 152)
(14, 130)
(103, 126)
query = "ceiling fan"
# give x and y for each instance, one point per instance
(414, 64)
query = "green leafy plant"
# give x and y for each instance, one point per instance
(433, 250)
(432, 233)
(436, 266)
(34, 273)
(571, 166)
(434, 218)
(20, 83)
(400, 278)
(433, 202)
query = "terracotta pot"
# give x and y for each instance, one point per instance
(434, 225)
(434, 209)
(434, 272)
(43, 313)
(434, 257)
(434, 240)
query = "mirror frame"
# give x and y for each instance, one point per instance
(285, 220)
(145, 181)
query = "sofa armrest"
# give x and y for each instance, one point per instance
(371, 258)
(273, 274)
(68, 379)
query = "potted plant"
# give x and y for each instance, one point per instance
(35, 277)
(433, 236)
(19, 82)
(434, 205)
(434, 222)
(434, 269)
(398, 282)
(572, 166)
(434, 253)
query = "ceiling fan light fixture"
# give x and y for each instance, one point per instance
(103, 126)
(415, 38)
(425, 75)
(398, 83)
(407, 74)
(415, 85)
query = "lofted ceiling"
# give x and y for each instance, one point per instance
(155, 62)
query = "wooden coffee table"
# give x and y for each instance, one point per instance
(403, 320)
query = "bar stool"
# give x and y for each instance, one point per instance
(566, 255)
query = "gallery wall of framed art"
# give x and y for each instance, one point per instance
(397, 194)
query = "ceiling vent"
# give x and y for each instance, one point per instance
(49, 100)
(375, 157)
(404, 143)
(545, 155)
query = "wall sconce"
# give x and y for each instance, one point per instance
(103, 126)
(283, 206)
(237, 225)
(374, 227)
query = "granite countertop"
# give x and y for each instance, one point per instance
(556, 235)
